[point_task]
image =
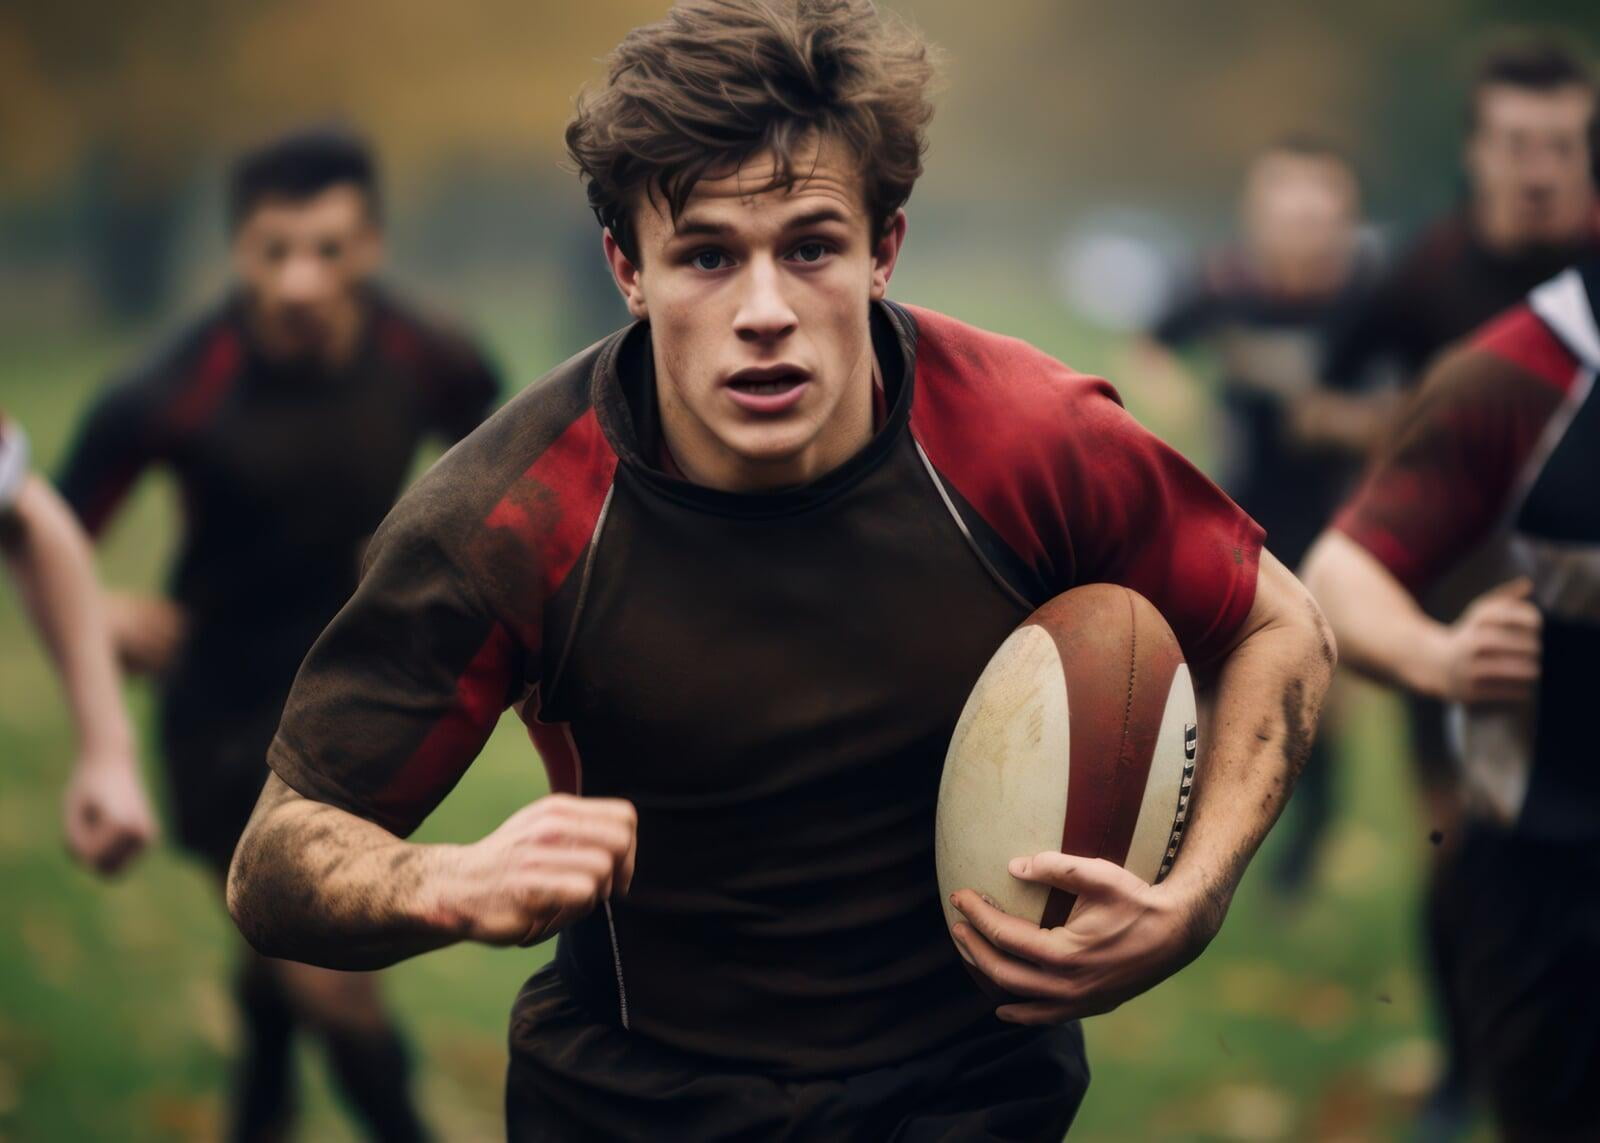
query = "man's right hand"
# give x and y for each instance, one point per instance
(146, 630)
(551, 863)
(1491, 654)
(107, 815)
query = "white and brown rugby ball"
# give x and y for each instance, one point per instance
(1079, 736)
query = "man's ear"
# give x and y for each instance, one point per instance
(627, 277)
(887, 253)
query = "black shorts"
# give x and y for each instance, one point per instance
(1432, 761)
(216, 764)
(1522, 919)
(574, 1077)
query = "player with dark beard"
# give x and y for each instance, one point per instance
(738, 566)
(290, 416)
(1531, 212)
(1502, 451)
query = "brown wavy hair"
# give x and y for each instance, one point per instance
(718, 81)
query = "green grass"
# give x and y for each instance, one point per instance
(114, 1014)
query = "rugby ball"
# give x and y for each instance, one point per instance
(1080, 736)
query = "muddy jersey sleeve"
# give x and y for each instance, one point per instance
(399, 694)
(1446, 476)
(1142, 516)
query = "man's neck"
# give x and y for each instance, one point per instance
(1504, 240)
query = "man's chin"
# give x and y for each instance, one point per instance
(773, 459)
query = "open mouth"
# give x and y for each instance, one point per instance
(768, 388)
(771, 390)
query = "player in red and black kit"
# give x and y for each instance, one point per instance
(290, 416)
(1502, 449)
(1531, 212)
(738, 567)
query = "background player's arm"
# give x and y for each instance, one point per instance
(108, 817)
(1428, 501)
(114, 445)
(316, 883)
(1490, 654)
(1259, 712)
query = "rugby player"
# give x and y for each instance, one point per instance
(1502, 449)
(1531, 211)
(107, 817)
(1266, 307)
(290, 416)
(738, 566)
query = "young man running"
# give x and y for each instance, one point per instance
(290, 416)
(738, 566)
(1502, 449)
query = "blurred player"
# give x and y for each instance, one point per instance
(1531, 211)
(739, 566)
(1266, 309)
(290, 416)
(107, 816)
(1502, 448)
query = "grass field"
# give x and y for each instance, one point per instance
(1298, 1023)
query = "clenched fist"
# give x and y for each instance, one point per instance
(107, 816)
(552, 862)
(1491, 654)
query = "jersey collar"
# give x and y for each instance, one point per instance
(624, 395)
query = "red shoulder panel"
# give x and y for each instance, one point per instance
(1521, 337)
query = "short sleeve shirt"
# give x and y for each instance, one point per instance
(772, 679)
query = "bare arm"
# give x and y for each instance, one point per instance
(108, 817)
(1490, 654)
(1258, 716)
(315, 883)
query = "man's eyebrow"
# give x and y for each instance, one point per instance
(816, 218)
(699, 226)
(691, 227)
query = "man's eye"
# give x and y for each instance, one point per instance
(708, 260)
(277, 251)
(810, 252)
(330, 251)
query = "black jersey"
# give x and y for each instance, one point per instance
(771, 678)
(285, 469)
(1270, 349)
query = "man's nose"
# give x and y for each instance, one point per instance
(303, 281)
(764, 312)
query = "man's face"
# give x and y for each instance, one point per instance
(302, 262)
(1528, 161)
(759, 308)
(1300, 216)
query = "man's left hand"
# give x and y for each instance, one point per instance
(1123, 937)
